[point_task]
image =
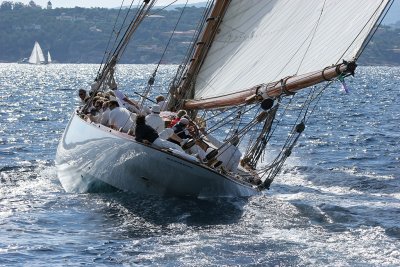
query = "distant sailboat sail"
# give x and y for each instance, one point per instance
(37, 56)
(48, 57)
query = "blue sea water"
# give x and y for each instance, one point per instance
(336, 203)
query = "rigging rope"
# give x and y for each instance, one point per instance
(271, 170)
(389, 5)
(189, 52)
(108, 68)
(176, 97)
(109, 40)
(150, 83)
(109, 54)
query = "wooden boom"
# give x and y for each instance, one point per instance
(285, 86)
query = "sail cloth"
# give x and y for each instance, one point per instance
(37, 56)
(264, 41)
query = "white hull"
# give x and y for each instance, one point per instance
(91, 156)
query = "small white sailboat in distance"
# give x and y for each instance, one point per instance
(48, 57)
(37, 56)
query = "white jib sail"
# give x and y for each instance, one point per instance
(264, 41)
(37, 56)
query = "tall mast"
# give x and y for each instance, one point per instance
(202, 47)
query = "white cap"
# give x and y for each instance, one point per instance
(156, 109)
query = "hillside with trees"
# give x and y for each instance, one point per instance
(81, 35)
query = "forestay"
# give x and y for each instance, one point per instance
(265, 41)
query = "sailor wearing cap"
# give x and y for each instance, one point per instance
(229, 154)
(161, 102)
(146, 134)
(154, 120)
(180, 129)
(123, 100)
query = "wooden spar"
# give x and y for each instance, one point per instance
(203, 46)
(286, 86)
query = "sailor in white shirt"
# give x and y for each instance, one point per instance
(96, 112)
(228, 154)
(82, 96)
(105, 116)
(161, 102)
(124, 101)
(154, 120)
(120, 117)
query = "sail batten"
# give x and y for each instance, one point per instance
(255, 45)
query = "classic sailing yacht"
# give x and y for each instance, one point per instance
(37, 56)
(241, 75)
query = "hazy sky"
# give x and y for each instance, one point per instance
(98, 3)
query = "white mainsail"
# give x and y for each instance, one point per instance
(264, 41)
(48, 57)
(37, 56)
